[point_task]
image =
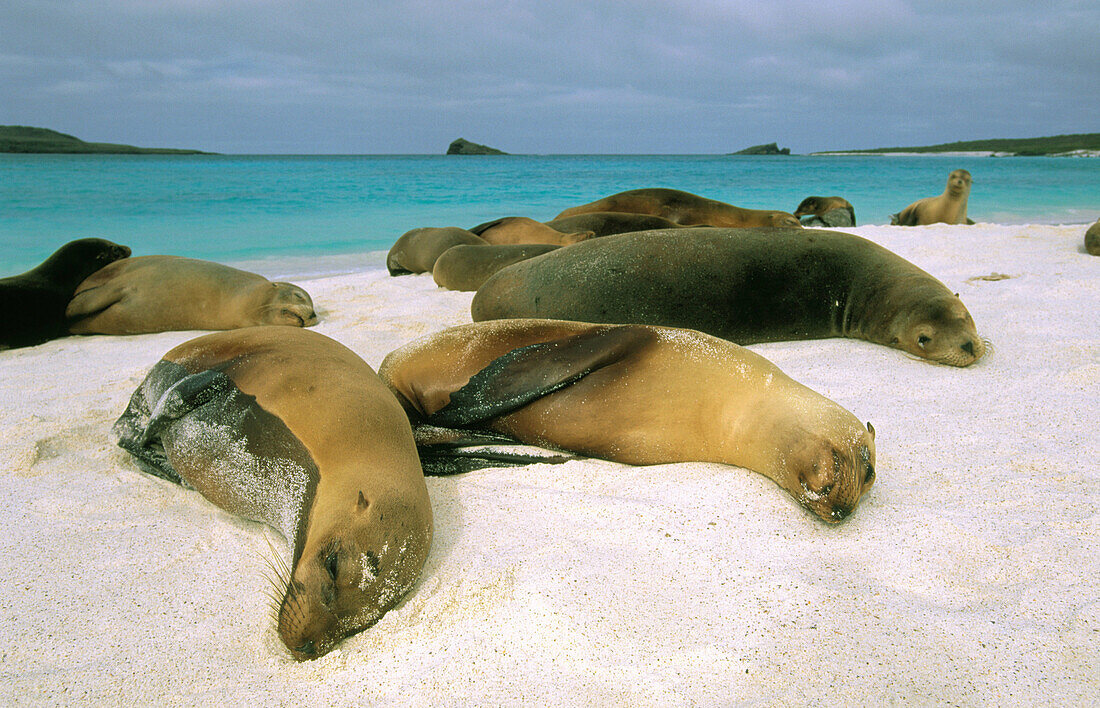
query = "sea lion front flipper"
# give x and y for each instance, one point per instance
(92, 301)
(528, 373)
(167, 394)
(482, 228)
(445, 451)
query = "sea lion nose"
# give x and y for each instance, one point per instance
(307, 650)
(969, 347)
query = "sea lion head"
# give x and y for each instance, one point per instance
(811, 205)
(78, 259)
(783, 219)
(289, 305)
(576, 237)
(958, 183)
(356, 563)
(829, 473)
(940, 329)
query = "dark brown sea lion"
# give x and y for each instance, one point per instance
(516, 230)
(826, 211)
(415, 251)
(684, 208)
(609, 223)
(288, 427)
(947, 208)
(640, 395)
(166, 293)
(467, 267)
(34, 302)
(744, 285)
(1092, 239)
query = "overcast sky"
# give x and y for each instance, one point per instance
(549, 76)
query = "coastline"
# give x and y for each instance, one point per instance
(969, 574)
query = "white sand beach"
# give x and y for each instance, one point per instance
(969, 575)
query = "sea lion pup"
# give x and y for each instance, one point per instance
(1092, 239)
(288, 427)
(639, 395)
(467, 267)
(947, 208)
(519, 229)
(168, 293)
(415, 251)
(34, 302)
(609, 223)
(826, 211)
(744, 285)
(684, 208)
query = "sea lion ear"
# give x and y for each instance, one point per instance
(871, 429)
(362, 503)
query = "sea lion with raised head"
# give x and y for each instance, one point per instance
(744, 285)
(35, 301)
(288, 427)
(826, 211)
(640, 395)
(684, 208)
(169, 293)
(516, 230)
(415, 251)
(467, 267)
(1092, 239)
(609, 223)
(947, 208)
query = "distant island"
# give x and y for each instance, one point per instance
(465, 147)
(1080, 144)
(25, 139)
(769, 149)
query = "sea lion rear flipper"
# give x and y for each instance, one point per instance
(167, 394)
(528, 373)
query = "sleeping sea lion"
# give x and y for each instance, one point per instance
(744, 285)
(1092, 239)
(608, 223)
(640, 395)
(34, 302)
(947, 208)
(415, 251)
(467, 267)
(684, 208)
(826, 211)
(167, 293)
(288, 427)
(515, 230)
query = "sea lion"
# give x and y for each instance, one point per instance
(826, 211)
(288, 427)
(467, 267)
(609, 223)
(167, 293)
(1092, 239)
(640, 395)
(947, 208)
(744, 285)
(34, 302)
(684, 208)
(415, 251)
(514, 230)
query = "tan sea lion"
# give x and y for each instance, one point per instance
(288, 427)
(640, 395)
(609, 223)
(34, 302)
(467, 267)
(1092, 239)
(169, 293)
(826, 211)
(415, 251)
(514, 230)
(744, 285)
(947, 208)
(684, 208)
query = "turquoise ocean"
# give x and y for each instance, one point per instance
(317, 214)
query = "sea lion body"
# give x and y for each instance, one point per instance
(415, 251)
(516, 230)
(1092, 239)
(609, 223)
(35, 301)
(744, 285)
(640, 395)
(684, 208)
(831, 212)
(947, 208)
(169, 293)
(285, 426)
(467, 267)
